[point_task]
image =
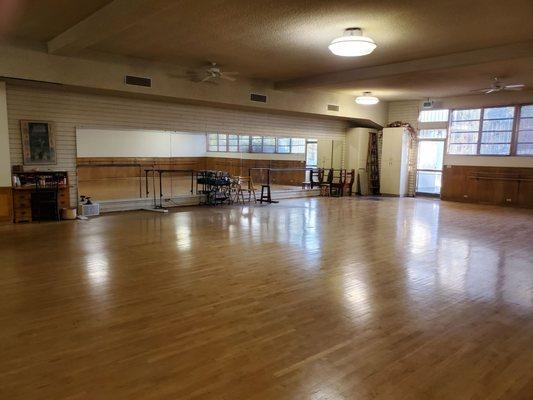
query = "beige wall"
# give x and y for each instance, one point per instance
(5, 165)
(70, 110)
(106, 72)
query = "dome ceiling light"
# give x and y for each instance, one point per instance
(352, 44)
(367, 99)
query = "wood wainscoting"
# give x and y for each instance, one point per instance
(488, 185)
(6, 205)
(110, 178)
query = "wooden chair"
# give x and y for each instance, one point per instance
(349, 182)
(245, 184)
(45, 198)
(325, 187)
(336, 186)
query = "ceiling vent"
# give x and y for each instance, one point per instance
(137, 81)
(260, 98)
(333, 107)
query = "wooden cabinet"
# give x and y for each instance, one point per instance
(22, 204)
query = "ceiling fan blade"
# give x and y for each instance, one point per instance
(493, 90)
(232, 73)
(481, 90)
(228, 78)
(515, 86)
(207, 78)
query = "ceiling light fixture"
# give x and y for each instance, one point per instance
(352, 44)
(367, 99)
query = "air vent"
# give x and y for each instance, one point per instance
(333, 107)
(138, 81)
(261, 98)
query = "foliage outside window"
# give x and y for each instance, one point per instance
(500, 131)
(524, 143)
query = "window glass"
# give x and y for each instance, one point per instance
(222, 142)
(466, 115)
(297, 145)
(524, 141)
(244, 144)
(284, 145)
(311, 156)
(269, 144)
(257, 144)
(497, 131)
(464, 131)
(233, 143)
(432, 134)
(433, 116)
(212, 142)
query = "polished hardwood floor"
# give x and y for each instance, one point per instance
(321, 298)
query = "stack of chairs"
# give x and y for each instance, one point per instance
(336, 182)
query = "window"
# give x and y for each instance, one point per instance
(497, 131)
(222, 142)
(311, 155)
(212, 142)
(244, 144)
(233, 143)
(217, 142)
(433, 116)
(257, 144)
(269, 144)
(464, 131)
(284, 145)
(524, 142)
(432, 134)
(297, 146)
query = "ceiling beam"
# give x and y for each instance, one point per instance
(474, 57)
(113, 18)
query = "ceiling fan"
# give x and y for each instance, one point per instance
(498, 86)
(211, 73)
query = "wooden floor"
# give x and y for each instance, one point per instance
(321, 298)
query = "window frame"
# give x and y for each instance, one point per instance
(247, 143)
(514, 132)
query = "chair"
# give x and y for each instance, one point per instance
(245, 184)
(349, 182)
(45, 198)
(325, 187)
(336, 187)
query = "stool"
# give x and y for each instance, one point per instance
(265, 196)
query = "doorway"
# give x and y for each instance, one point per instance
(430, 159)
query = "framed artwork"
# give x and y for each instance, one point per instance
(38, 143)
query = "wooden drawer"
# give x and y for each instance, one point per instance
(19, 196)
(22, 215)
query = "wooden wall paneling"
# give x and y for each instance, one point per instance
(525, 188)
(6, 205)
(488, 185)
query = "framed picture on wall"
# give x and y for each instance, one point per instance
(38, 143)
